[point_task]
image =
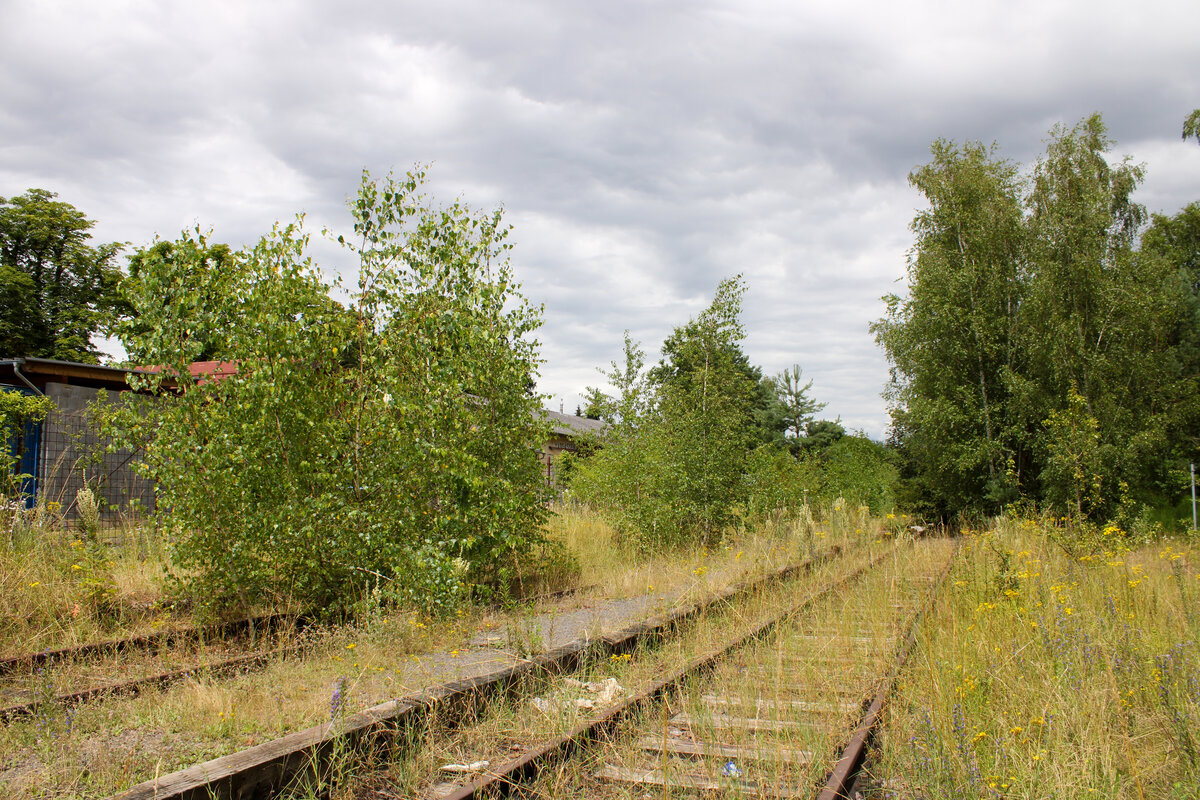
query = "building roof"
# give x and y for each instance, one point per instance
(205, 371)
(571, 425)
(42, 370)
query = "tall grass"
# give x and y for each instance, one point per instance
(607, 559)
(386, 653)
(60, 586)
(1056, 673)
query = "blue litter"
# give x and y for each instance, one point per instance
(731, 770)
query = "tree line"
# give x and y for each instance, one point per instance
(1047, 350)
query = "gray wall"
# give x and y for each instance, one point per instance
(73, 452)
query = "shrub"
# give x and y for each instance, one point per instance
(391, 438)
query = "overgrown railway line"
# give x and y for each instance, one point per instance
(309, 755)
(784, 708)
(757, 707)
(212, 651)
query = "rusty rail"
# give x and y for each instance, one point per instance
(160, 641)
(151, 642)
(307, 754)
(524, 768)
(840, 785)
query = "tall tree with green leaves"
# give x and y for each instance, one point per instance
(706, 400)
(1172, 245)
(201, 275)
(57, 289)
(1023, 305)
(633, 393)
(672, 465)
(766, 413)
(951, 340)
(791, 392)
(1098, 319)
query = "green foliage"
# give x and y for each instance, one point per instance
(671, 469)
(57, 291)
(1019, 292)
(792, 395)
(1071, 475)
(1191, 126)
(860, 471)
(819, 435)
(775, 480)
(17, 409)
(686, 453)
(390, 440)
(200, 276)
(629, 380)
(950, 342)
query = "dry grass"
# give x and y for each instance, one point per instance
(386, 655)
(772, 677)
(1056, 675)
(623, 571)
(56, 590)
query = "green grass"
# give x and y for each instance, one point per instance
(59, 590)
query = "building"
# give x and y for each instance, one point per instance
(567, 432)
(65, 452)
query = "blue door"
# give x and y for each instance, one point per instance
(24, 450)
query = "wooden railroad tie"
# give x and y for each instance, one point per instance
(677, 745)
(823, 659)
(696, 781)
(837, 639)
(759, 704)
(732, 722)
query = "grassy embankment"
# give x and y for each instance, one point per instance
(1055, 671)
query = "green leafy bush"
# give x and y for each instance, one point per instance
(778, 481)
(16, 410)
(389, 438)
(672, 465)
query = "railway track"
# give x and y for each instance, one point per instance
(31, 681)
(306, 757)
(783, 708)
(151, 642)
(214, 651)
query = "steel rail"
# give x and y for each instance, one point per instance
(307, 754)
(152, 642)
(158, 642)
(524, 768)
(847, 769)
(135, 686)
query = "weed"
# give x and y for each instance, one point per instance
(1069, 670)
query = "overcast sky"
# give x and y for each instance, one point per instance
(642, 151)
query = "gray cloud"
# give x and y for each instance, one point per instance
(643, 151)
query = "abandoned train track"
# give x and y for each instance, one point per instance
(308, 754)
(20, 675)
(150, 642)
(706, 725)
